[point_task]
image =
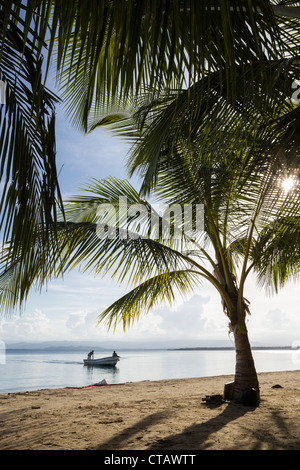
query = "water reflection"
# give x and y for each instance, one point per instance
(94, 374)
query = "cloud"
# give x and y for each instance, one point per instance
(39, 326)
(186, 319)
(278, 319)
(30, 327)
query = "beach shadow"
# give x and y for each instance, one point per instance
(285, 440)
(193, 437)
(130, 434)
(275, 434)
(197, 436)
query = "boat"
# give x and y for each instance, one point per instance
(104, 361)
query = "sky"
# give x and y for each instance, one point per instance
(68, 309)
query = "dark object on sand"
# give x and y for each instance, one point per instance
(228, 390)
(249, 398)
(213, 399)
(277, 386)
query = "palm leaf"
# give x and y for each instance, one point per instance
(276, 253)
(108, 51)
(27, 127)
(148, 295)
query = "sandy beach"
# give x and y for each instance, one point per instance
(159, 415)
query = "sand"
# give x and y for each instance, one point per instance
(159, 415)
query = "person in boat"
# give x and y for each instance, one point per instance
(91, 355)
(114, 354)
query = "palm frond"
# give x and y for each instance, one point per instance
(108, 51)
(164, 287)
(81, 242)
(27, 127)
(276, 253)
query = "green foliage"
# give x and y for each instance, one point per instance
(29, 184)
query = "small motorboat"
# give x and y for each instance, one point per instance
(104, 361)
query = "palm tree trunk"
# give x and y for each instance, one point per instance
(245, 371)
(245, 387)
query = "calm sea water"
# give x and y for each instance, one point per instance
(24, 371)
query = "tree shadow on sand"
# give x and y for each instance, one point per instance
(128, 435)
(196, 437)
(273, 434)
(193, 437)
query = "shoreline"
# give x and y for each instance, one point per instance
(153, 415)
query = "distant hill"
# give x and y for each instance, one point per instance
(109, 344)
(54, 345)
(125, 345)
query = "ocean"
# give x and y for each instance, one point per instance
(25, 370)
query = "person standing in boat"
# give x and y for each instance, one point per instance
(114, 354)
(91, 355)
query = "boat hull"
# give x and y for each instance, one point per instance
(104, 361)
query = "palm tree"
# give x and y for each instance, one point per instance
(251, 224)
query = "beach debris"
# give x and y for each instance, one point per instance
(215, 399)
(101, 383)
(249, 398)
(277, 386)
